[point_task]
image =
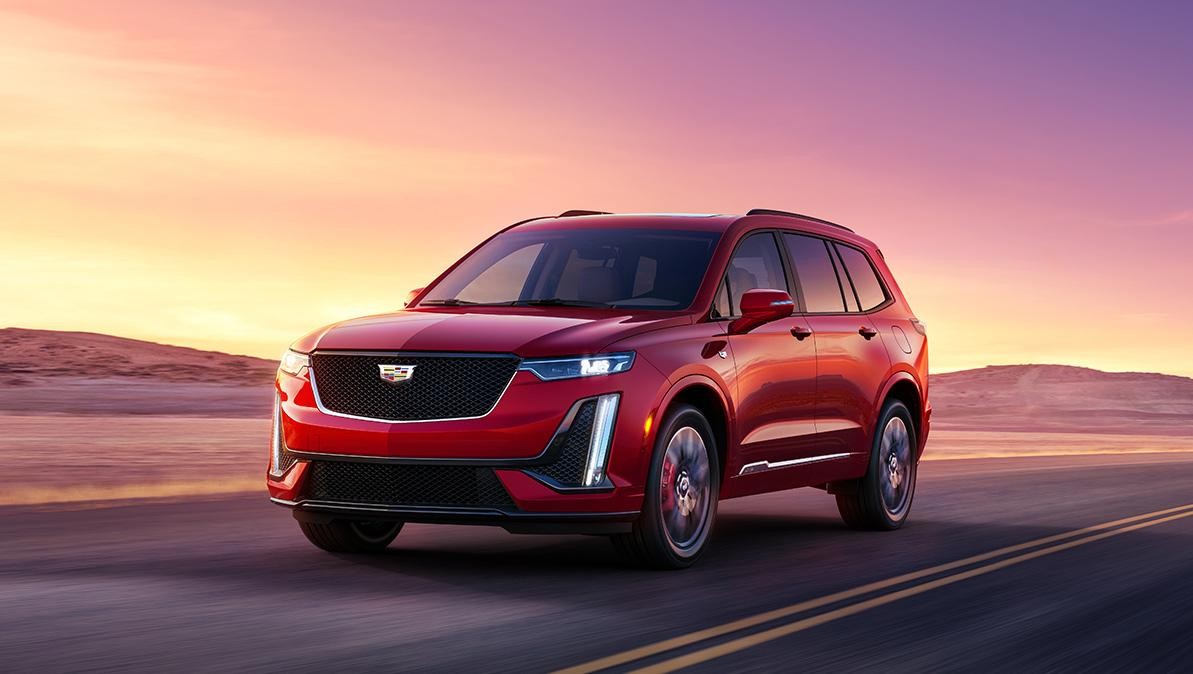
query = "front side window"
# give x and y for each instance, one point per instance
(870, 292)
(755, 264)
(644, 269)
(816, 274)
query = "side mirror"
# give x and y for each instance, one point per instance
(761, 306)
(411, 295)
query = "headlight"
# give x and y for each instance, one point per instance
(549, 369)
(294, 363)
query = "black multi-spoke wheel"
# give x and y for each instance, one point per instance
(351, 536)
(681, 494)
(883, 497)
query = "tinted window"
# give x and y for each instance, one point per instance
(816, 274)
(650, 269)
(755, 264)
(846, 287)
(865, 281)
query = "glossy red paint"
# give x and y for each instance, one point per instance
(784, 388)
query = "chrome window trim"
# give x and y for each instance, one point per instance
(763, 466)
(419, 354)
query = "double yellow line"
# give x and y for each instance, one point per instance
(1029, 550)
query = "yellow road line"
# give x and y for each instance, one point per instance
(764, 636)
(787, 611)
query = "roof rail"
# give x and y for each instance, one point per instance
(787, 214)
(574, 213)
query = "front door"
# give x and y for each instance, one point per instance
(776, 368)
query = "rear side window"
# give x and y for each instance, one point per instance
(755, 264)
(816, 274)
(870, 292)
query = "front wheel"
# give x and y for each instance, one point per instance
(351, 537)
(681, 495)
(882, 499)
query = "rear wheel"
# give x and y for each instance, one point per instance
(681, 495)
(349, 536)
(882, 499)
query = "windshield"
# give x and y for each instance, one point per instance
(645, 269)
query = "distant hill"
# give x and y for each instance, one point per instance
(28, 356)
(47, 371)
(1063, 398)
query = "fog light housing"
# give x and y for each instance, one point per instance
(601, 439)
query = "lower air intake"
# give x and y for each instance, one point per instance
(405, 485)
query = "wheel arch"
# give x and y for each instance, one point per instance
(903, 387)
(705, 395)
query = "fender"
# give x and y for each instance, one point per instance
(676, 388)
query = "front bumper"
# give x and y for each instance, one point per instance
(514, 441)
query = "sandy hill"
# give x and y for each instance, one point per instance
(48, 371)
(28, 356)
(1063, 398)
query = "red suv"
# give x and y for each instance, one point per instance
(612, 374)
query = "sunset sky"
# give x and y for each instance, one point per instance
(231, 175)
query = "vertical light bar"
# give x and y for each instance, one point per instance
(601, 438)
(275, 450)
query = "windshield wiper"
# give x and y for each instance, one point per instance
(560, 302)
(449, 302)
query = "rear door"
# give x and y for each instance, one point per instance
(851, 358)
(776, 369)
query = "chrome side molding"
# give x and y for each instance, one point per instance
(762, 466)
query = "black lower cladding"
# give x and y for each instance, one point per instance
(569, 450)
(399, 485)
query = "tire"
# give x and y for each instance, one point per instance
(680, 506)
(345, 536)
(882, 499)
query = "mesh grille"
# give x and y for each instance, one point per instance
(570, 449)
(286, 460)
(441, 387)
(404, 485)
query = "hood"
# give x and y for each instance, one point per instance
(527, 332)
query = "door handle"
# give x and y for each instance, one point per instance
(801, 333)
(867, 332)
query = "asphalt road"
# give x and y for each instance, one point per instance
(229, 583)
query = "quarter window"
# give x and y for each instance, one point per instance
(755, 264)
(815, 273)
(720, 305)
(870, 292)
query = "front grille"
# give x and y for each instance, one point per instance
(440, 387)
(404, 485)
(570, 449)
